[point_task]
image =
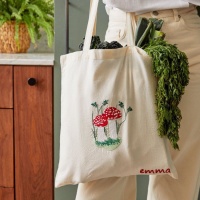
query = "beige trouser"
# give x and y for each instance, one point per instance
(182, 27)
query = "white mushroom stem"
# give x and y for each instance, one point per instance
(112, 129)
(101, 136)
(108, 131)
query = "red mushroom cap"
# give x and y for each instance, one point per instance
(100, 120)
(112, 113)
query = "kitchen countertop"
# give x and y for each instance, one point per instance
(27, 59)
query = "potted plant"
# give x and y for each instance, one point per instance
(20, 23)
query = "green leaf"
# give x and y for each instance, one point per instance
(121, 104)
(129, 109)
(30, 27)
(105, 102)
(95, 104)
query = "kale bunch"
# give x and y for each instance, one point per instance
(109, 45)
(95, 41)
(97, 44)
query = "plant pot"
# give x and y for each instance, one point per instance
(8, 44)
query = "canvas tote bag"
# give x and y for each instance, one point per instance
(108, 114)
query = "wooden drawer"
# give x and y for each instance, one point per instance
(6, 148)
(6, 193)
(6, 87)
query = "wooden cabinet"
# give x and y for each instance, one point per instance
(26, 133)
(6, 155)
(6, 85)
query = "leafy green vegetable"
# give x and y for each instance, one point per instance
(157, 23)
(170, 66)
(148, 29)
(94, 42)
(142, 24)
(109, 45)
(145, 37)
(171, 69)
(97, 44)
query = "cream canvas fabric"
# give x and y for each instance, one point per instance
(108, 119)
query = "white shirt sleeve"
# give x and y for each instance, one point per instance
(195, 2)
(148, 5)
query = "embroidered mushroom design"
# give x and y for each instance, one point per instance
(102, 119)
(112, 113)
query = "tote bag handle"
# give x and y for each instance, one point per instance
(91, 24)
(94, 29)
(91, 27)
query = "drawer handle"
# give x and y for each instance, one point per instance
(32, 81)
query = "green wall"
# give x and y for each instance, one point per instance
(78, 16)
